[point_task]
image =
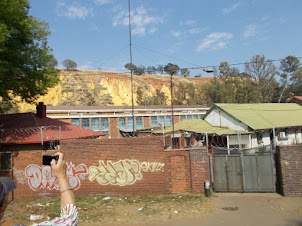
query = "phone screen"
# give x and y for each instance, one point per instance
(48, 158)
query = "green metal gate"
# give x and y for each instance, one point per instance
(243, 171)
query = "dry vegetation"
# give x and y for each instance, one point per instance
(108, 210)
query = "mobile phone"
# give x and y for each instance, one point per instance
(46, 159)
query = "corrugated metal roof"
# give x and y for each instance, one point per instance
(122, 108)
(28, 128)
(265, 115)
(197, 126)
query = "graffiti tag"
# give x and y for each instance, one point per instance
(44, 178)
(121, 173)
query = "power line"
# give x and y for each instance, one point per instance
(236, 64)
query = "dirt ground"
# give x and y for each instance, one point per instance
(248, 209)
(179, 209)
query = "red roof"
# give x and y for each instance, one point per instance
(295, 97)
(28, 128)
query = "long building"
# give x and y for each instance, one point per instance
(112, 120)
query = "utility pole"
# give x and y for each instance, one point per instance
(172, 110)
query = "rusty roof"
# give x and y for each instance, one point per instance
(28, 128)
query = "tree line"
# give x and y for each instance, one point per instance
(260, 82)
(27, 69)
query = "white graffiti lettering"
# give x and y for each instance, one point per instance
(152, 166)
(121, 173)
(43, 177)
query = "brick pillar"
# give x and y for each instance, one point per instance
(199, 161)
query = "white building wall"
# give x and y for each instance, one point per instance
(293, 137)
(219, 118)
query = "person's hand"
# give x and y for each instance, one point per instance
(59, 167)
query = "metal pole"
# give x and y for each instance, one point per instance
(274, 138)
(164, 135)
(172, 110)
(130, 45)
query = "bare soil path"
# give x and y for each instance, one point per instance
(249, 209)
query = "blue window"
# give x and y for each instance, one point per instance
(104, 125)
(95, 124)
(161, 120)
(139, 122)
(189, 117)
(182, 117)
(85, 123)
(195, 116)
(122, 123)
(130, 123)
(200, 116)
(168, 120)
(75, 121)
(153, 121)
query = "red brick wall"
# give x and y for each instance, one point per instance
(289, 169)
(178, 166)
(199, 160)
(110, 167)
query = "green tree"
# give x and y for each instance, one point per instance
(158, 99)
(296, 83)
(171, 69)
(160, 69)
(52, 63)
(185, 72)
(290, 67)
(140, 100)
(180, 94)
(69, 64)
(139, 70)
(24, 53)
(151, 70)
(264, 72)
(225, 71)
(130, 67)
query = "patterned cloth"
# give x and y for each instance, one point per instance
(69, 216)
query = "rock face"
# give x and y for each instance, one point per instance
(83, 87)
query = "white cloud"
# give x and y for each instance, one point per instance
(194, 30)
(140, 20)
(215, 40)
(176, 33)
(73, 11)
(188, 22)
(102, 2)
(250, 31)
(230, 9)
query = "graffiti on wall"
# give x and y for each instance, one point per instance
(121, 173)
(43, 177)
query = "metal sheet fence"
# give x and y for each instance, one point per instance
(243, 171)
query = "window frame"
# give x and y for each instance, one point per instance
(85, 120)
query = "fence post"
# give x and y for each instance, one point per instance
(274, 138)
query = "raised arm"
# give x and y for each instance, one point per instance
(59, 169)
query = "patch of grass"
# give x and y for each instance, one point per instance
(134, 208)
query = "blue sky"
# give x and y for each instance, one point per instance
(192, 33)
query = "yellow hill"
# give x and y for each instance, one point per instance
(83, 87)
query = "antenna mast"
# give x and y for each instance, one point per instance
(131, 69)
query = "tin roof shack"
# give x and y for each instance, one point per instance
(199, 133)
(270, 123)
